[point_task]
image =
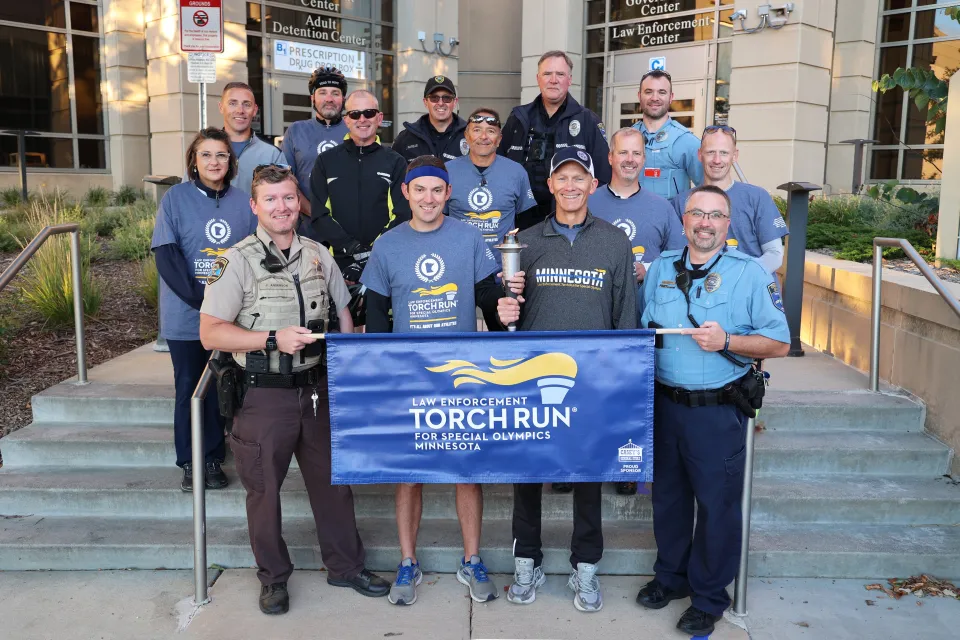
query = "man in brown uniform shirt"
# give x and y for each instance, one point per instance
(259, 298)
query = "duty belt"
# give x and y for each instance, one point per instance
(703, 398)
(307, 378)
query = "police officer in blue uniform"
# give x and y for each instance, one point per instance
(672, 162)
(706, 386)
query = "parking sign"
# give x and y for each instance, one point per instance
(201, 26)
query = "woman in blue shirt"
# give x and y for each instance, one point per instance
(197, 221)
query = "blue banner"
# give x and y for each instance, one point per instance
(491, 407)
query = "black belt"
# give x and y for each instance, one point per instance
(703, 398)
(307, 378)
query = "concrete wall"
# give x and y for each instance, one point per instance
(489, 66)
(548, 25)
(413, 66)
(174, 102)
(780, 93)
(76, 184)
(851, 95)
(919, 334)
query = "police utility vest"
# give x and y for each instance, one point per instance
(283, 299)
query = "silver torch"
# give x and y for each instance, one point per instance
(510, 253)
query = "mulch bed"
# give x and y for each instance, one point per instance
(33, 359)
(905, 265)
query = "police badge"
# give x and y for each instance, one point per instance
(464, 147)
(661, 136)
(574, 128)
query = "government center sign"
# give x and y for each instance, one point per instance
(655, 26)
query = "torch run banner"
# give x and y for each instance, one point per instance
(491, 407)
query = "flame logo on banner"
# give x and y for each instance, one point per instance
(555, 374)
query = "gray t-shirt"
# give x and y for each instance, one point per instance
(491, 200)
(305, 140)
(429, 276)
(203, 229)
(649, 221)
(754, 218)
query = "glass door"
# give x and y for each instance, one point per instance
(688, 106)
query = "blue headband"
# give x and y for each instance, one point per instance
(426, 170)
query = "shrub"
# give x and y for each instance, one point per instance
(15, 232)
(856, 242)
(131, 241)
(10, 196)
(127, 195)
(148, 284)
(47, 284)
(103, 222)
(97, 197)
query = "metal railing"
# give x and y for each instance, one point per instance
(199, 486)
(740, 587)
(18, 263)
(878, 244)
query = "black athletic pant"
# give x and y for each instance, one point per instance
(586, 543)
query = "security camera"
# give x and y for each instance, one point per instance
(739, 14)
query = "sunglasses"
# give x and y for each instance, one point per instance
(369, 114)
(485, 120)
(435, 99)
(284, 168)
(730, 131)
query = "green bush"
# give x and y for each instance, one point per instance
(10, 196)
(856, 242)
(127, 195)
(15, 232)
(148, 284)
(131, 241)
(103, 222)
(97, 197)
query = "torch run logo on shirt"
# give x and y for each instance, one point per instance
(430, 268)
(627, 226)
(536, 405)
(480, 198)
(217, 230)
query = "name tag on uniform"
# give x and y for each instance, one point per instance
(668, 284)
(651, 173)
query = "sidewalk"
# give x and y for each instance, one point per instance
(116, 605)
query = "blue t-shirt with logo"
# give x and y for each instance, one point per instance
(490, 201)
(754, 217)
(203, 229)
(648, 220)
(429, 276)
(304, 140)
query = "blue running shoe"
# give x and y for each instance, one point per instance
(404, 588)
(474, 575)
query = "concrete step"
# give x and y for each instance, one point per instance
(34, 543)
(155, 492)
(783, 410)
(91, 444)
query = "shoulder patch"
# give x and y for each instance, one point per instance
(775, 295)
(217, 270)
(603, 131)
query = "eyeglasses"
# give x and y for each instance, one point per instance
(221, 157)
(435, 99)
(730, 131)
(283, 168)
(369, 114)
(485, 120)
(714, 216)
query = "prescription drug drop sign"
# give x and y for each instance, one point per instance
(201, 26)
(300, 57)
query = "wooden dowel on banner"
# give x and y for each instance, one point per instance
(318, 336)
(322, 336)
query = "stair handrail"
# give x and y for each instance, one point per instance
(928, 273)
(199, 486)
(28, 252)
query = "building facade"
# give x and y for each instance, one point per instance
(102, 86)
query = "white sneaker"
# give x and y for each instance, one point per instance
(526, 579)
(586, 588)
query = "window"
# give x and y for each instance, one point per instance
(50, 85)
(913, 33)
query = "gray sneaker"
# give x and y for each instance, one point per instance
(586, 588)
(526, 579)
(474, 576)
(404, 588)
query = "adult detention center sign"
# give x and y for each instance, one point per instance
(491, 407)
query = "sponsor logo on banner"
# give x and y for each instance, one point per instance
(300, 57)
(630, 456)
(467, 422)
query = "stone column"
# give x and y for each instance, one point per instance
(174, 101)
(125, 58)
(413, 66)
(548, 25)
(780, 92)
(851, 93)
(949, 223)
(490, 65)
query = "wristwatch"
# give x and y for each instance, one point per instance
(272, 341)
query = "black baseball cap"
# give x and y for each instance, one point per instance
(572, 154)
(439, 82)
